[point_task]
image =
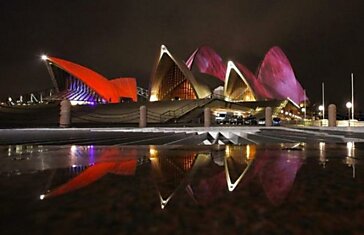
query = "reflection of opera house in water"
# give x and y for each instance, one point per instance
(199, 176)
(181, 90)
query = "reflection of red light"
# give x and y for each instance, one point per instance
(93, 173)
(114, 154)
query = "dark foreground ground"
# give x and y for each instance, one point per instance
(280, 189)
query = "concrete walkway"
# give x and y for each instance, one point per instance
(179, 136)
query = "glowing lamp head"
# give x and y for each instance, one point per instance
(349, 105)
(44, 57)
(321, 107)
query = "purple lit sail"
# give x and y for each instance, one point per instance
(277, 173)
(276, 74)
(207, 61)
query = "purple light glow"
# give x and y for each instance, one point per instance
(207, 61)
(277, 173)
(277, 75)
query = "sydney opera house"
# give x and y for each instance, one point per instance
(275, 79)
(202, 75)
(180, 90)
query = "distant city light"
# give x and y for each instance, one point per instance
(321, 107)
(44, 57)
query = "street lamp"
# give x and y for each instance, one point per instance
(303, 109)
(321, 109)
(348, 106)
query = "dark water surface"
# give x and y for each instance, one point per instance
(257, 189)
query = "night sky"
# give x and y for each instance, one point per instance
(322, 39)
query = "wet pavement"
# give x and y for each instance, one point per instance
(292, 188)
(178, 136)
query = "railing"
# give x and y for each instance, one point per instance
(142, 92)
(156, 117)
(36, 97)
(50, 94)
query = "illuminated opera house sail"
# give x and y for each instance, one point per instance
(173, 79)
(80, 84)
(204, 72)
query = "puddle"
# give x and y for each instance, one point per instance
(286, 188)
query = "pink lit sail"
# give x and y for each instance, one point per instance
(276, 74)
(277, 173)
(207, 61)
(210, 188)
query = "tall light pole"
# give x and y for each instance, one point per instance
(352, 96)
(323, 100)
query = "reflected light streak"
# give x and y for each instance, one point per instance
(247, 152)
(296, 145)
(227, 151)
(250, 152)
(322, 159)
(74, 149)
(153, 152)
(91, 150)
(350, 159)
(351, 149)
